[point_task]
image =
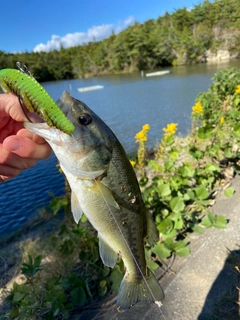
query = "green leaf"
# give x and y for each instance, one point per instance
(29, 299)
(220, 222)
(201, 192)
(179, 224)
(197, 154)
(83, 219)
(152, 265)
(228, 153)
(165, 226)
(198, 229)
(212, 168)
(229, 192)
(14, 313)
(171, 234)
(116, 278)
(176, 204)
(18, 296)
(23, 288)
(169, 165)
(207, 222)
(187, 171)
(210, 216)
(179, 245)
(174, 155)
(103, 283)
(205, 132)
(155, 166)
(161, 250)
(236, 101)
(164, 190)
(37, 261)
(178, 221)
(169, 140)
(183, 252)
(236, 130)
(190, 194)
(62, 296)
(102, 290)
(57, 203)
(143, 181)
(78, 296)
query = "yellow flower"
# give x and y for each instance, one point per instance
(237, 89)
(146, 127)
(197, 108)
(142, 135)
(170, 129)
(222, 120)
(133, 163)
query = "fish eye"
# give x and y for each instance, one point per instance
(85, 119)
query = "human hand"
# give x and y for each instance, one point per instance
(19, 148)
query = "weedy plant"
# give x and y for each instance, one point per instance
(141, 139)
(184, 178)
(66, 276)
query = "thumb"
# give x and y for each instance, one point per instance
(27, 148)
(13, 144)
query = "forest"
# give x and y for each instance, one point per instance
(183, 37)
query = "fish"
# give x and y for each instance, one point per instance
(104, 186)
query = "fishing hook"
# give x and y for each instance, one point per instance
(24, 69)
(20, 102)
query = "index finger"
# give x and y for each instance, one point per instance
(9, 106)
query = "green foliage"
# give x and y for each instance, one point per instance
(229, 192)
(214, 221)
(178, 38)
(75, 276)
(32, 267)
(180, 193)
(58, 203)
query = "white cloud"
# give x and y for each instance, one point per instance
(78, 38)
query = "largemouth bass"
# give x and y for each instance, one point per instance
(104, 186)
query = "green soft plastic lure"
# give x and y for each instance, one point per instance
(35, 97)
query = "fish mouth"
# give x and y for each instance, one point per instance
(37, 125)
(43, 130)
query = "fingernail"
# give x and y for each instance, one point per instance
(12, 144)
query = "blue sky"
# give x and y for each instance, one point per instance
(34, 25)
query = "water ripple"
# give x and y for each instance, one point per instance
(21, 197)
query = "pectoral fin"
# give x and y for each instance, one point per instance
(105, 193)
(107, 254)
(76, 208)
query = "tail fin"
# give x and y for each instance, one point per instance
(136, 290)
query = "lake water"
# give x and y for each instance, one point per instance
(126, 103)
